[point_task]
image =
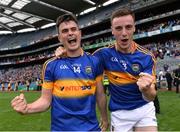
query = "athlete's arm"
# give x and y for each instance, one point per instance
(102, 105)
(147, 86)
(20, 105)
(42, 104)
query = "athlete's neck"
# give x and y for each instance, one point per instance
(127, 50)
(123, 50)
(75, 53)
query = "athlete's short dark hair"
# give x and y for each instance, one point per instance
(65, 18)
(122, 12)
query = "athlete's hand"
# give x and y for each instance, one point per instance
(59, 52)
(145, 81)
(19, 104)
(104, 125)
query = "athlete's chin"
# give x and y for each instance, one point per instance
(73, 48)
(124, 45)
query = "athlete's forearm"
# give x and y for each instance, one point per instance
(150, 94)
(101, 100)
(102, 105)
(39, 105)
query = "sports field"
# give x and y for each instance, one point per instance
(168, 120)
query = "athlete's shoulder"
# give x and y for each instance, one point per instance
(91, 56)
(144, 50)
(145, 53)
(104, 49)
(50, 61)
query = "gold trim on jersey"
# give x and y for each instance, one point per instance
(74, 88)
(45, 65)
(146, 51)
(47, 85)
(99, 78)
(120, 78)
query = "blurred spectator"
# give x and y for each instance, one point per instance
(16, 86)
(176, 76)
(9, 88)
(27, 84)
(169, 80)
(166, 66)
(161, 78)
(2, 86)
(39, 84)
(22, 74)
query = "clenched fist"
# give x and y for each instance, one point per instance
(145, 81)
(147, 86)
(19, 104)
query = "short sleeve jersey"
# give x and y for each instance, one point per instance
(73, 83)
(123, 71)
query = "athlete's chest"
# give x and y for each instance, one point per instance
(74, 78)
(74, 68)
(130, 63)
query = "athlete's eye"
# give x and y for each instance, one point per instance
(129, 27)
(118, 28)
(64, 31)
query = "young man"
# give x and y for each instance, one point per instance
(176, 75)
(71, 85)
(131, 71)
(131, 78)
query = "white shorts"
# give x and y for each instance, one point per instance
(126, 120)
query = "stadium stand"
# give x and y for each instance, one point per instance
(158, 26)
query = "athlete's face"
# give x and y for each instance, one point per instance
(123, 29)
(70, 35)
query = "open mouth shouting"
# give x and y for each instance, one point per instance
(124, 40)
(72, 40)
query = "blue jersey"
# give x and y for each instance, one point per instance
(73, 82)
(123, 71)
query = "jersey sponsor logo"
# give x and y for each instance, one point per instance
(88, 69)
(75, 88)
(135, 67)
(64, 67)
(62, 88)
(86, 87)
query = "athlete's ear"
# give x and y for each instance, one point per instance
(134, 29)
(112, 30)
(59, 37)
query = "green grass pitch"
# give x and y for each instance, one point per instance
(168, 120)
